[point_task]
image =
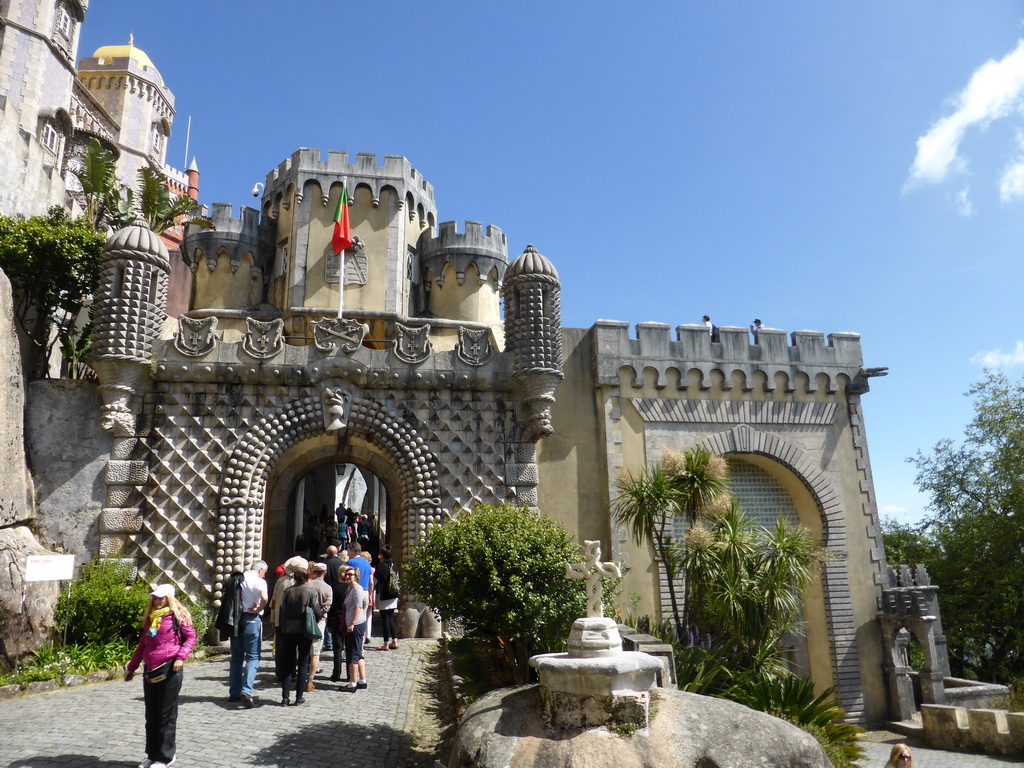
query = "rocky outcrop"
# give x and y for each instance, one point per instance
(24, 626)
(26, 609)
(15, 487)
(504, 729)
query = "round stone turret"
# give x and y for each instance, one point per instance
(533, 334)
(462, 272)
(533, 314)
(130, 305)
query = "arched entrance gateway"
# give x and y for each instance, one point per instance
(317, 430)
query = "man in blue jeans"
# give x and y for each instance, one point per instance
(245, 643)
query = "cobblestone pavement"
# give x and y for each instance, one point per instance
(101, 725)
(878, 753)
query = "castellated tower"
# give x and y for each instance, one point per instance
(126, 83)
(390, 205)
(229, 266)
(462, 273)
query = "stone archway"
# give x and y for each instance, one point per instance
(240, 514)
(838, 597)
(308, 456)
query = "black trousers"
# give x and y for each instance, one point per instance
(162, 716)
(340, 669)
(389, 631)
(293, 663)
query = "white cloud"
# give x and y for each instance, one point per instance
(999, 359)
(964, 206)
(994, 91)
(1011, 185)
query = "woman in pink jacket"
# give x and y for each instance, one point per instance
(167, 639)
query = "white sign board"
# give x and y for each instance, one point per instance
(49, 567)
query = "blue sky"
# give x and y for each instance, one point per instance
(823, 166)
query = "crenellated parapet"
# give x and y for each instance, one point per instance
(306, 166)
(462, 271)
(235, 236)
(827, 361)
(487, 248)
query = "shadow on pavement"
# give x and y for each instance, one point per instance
(62, 761)
(365, 746)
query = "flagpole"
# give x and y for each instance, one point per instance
(341, 270)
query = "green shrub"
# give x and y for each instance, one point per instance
(792, 698)
(53, 662)
(104, 603)
(501, 571)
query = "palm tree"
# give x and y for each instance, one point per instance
(747, 584)
(107, 204)
(646, 505)
(98, 176)
(680, 485)
(160, 208)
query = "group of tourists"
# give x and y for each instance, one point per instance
(315, 605)
(340, 527)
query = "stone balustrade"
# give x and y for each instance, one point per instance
(994, 731)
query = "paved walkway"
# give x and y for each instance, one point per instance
(878, 753)
(101, 725)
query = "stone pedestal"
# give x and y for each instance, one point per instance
(587, 692)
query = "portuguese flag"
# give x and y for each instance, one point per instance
(341, 240)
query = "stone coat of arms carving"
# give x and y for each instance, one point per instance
(334, 333)
(263, 340)
(474, 345)
(196, 336)
(412, 345)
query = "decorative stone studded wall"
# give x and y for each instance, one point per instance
(212, 445)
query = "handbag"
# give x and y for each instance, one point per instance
(312, 629)
(159, 674)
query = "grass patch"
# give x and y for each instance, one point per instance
(52, 662)
(625, 730)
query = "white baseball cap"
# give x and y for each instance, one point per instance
(164, 590)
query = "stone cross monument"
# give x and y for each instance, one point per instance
(595, 682)
(593, 570)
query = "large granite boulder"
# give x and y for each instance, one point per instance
(15, 485)
(24, 623)
(504, 729)
(24, 626)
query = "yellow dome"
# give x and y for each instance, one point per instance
(110, 52)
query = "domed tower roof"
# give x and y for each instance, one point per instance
(111, 52)
(137, 241)
(533, 264)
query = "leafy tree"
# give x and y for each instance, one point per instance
(501, 570)
(973, 544)
(53, 264)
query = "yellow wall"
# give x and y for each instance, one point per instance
(371, 226)
(574, 485)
